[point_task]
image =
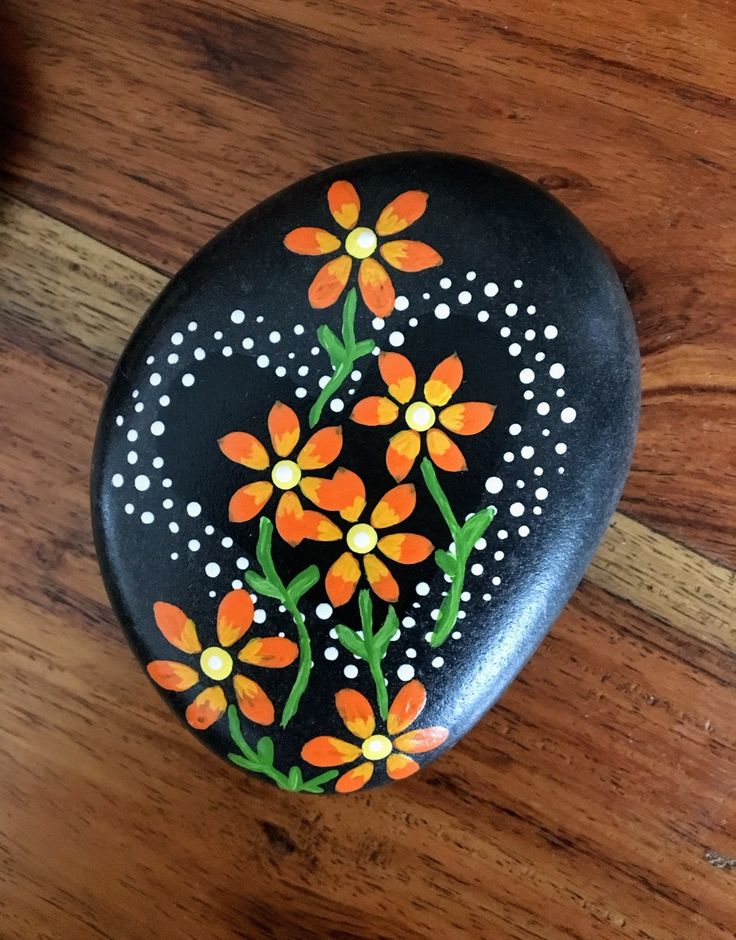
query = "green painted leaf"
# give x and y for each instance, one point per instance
(364, 347)
(261, 585)
(329, 342)
(351, 641)
(446, 561)
(245, 764)
(387, 631)
(474, 527)
(305, 580)
(294, 780)
(316, 784)
(264, 749)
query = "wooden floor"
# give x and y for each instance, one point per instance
(598, 799)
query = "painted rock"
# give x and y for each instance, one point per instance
(355, 459)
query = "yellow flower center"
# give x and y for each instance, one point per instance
(376, 747)
(420, 416)
(286, 474)
(362, 538)
(361, 242)
(216, 663)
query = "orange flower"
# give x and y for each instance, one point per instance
(294, 523)
(234, 618)
(420, 416)
(357, 715)
(403, 547)
(361, 243)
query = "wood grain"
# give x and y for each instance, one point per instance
(587, 803)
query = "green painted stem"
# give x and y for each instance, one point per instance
(270, 583)
(343, 355)
(454, 563)
(371, 647)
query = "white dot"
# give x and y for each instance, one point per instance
(526, 376)
(405, 672)
(518, 283)
(172, 359)
(413, 320)
(523, 531)
(560, 448)
(435, 613)
(476, 569)
(495, 581)
(315, 350)
(408, 622)
(262, 361)
(280, 371)
(187, 380)
(401, 303)
(520, 484)
(464, 296)
(378, 323)
(494, 484)
(119, 421)
(442, 311)
(141, 482)
(350, 672)
(217, 334)
(166, 482)
(491, 289)
(237, 316)
(194, 545)
(164, 401)
(508, 457)
(539, 357)
(227, 542)
(527, 451)
(445, 282)
(516, 509)
(505, 331)
(193, 509)
(155, 378)
(300, 392)
(411, 653)
(550, 332)
(560, 392)
(529, 335)
(192, 326)
(132, 435)
(483, 316)
(117, 479)
(337, 404)
(135, 393)
(212, 569)
(236, 585)
(422, 589)
(528, 394)
(376, 351)
(174, 527)
(323, 611)
(139, 406)
(158, 428)
(331, 653)
(274, 336)
(479, 546)
(324, 379)
(227, 351)
(538, 471)
(167, 503)
(531, 309)
(471, 276)
(147, 518)
(437, 662)
(209, 530)
(499, 556)
(568, 415)
(177, 339)
(303, 370)
(556, 370)
(259, 616)
(515, 429)
(541, 493)
(396, 338)
(537, 510)
(514, 349)
(242, 563)
(560, 469)
(247, 343)
(129, 508)
(543, 408)
(511, 310)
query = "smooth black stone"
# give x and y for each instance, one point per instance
(481, 219)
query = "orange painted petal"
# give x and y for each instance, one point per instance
(421, 740)
(311, 241)
(469, 417)
(406, 548)
(234, 616)
(321, 449)
(344, 203)
(176, 677)
(401, 212)
(376, 287)
(410, 256)
(399, 375)
(329, 282)
(398, 504)
(444, 452)
(354, 779)
(244, 448)
(356, 713)
(273, 652)
(178, 629)
(283, 426)
(341, 579)
(344, 493)
(444, 381)
(319, 528)
(327, 751)
(380, 579)
(207, 707)
(399, 766)
(289, 519)
(406, 707)
(253, 701)
(375, 411)
(249, 500)
(401, 453)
